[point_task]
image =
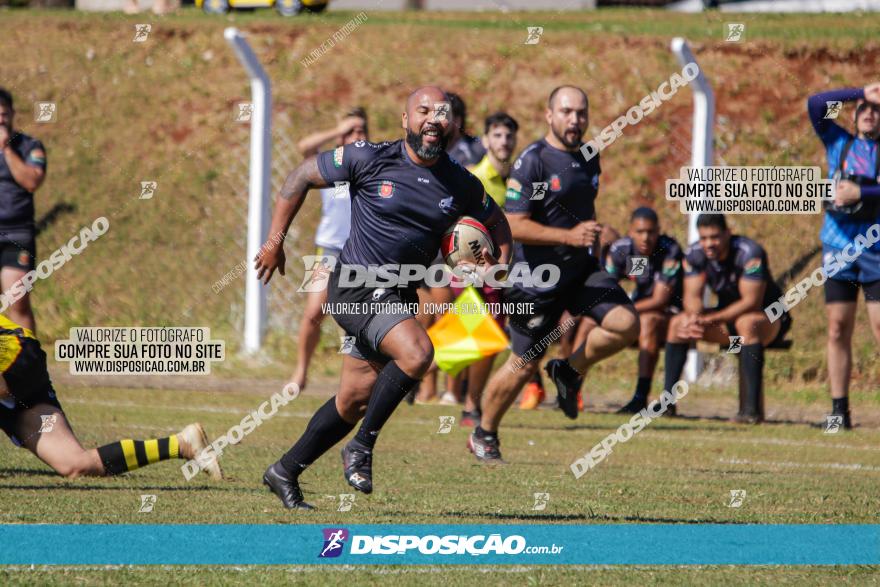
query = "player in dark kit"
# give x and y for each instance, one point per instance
(736, 269)
(653, 262)
(550, 207)
(405, 194)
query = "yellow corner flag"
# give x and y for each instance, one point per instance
(466, 335)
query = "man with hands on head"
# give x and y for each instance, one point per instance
(854, 160)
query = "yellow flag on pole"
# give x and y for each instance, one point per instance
(466, 335)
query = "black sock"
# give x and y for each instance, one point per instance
(325, 429)
(840, 405)
(752, 368)
(390, 388)
(480, 433)
(643, 388)
(536, 378)
(676, 356)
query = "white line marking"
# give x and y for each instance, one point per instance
(790, 465)
(776, 441)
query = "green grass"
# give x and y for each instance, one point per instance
(161, 110)
(676, 471)
(447, 576)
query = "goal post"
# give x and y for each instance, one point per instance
(701, 156)
(259, 178)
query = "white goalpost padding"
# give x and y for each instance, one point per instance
(701, 155)
(259, 177)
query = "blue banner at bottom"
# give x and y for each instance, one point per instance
(704, 544)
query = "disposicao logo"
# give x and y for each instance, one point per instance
(334, 541)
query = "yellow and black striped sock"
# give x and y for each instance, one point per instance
(128, 455)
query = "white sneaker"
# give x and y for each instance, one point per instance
(192, 440)
(448, 399)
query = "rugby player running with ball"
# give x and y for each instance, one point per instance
(405, 194)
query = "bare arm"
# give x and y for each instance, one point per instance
(751, 294)
(287, 205)
(311, 144)
(529, 232)
(658, 301)
(27, 176)
(692, 298)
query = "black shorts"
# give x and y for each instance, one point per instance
(594, 295)
(785, 326)
(27, 379)
(20, 253)
(839, 290)
(367, 314)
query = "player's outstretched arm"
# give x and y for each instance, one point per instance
(287, 205)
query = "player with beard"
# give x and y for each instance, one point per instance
(550, 206)
(405, 194)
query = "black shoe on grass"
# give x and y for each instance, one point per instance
(279, 482)
(568, 383)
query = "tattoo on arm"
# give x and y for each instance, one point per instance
(302, 179)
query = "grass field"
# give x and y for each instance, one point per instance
(162, 110)
(676, 471)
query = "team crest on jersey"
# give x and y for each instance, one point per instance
(386, 189)
(337, 157)
(23, 258)
(555, 183)
(752, 267)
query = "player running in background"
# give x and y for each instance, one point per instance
(22, 171)
(499, 139)
(550, 205)
(653, 262)
(331, 234)
(464, 148)
(736, 269)
(31, 416)
(853, 158)
(405, 194)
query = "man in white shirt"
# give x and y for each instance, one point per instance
(332, 232)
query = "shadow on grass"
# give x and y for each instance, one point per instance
(52, 215)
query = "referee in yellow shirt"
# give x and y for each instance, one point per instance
(499, 140)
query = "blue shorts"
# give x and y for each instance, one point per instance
(864, 269)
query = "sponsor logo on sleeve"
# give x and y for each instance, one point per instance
(753, 267)
(337, 157)
(670, 267)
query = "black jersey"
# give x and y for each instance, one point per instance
(555, 188)
(400, 210)
(663, 264)
(16, 203)
(745, 260)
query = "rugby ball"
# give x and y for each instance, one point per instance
(464, 242)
